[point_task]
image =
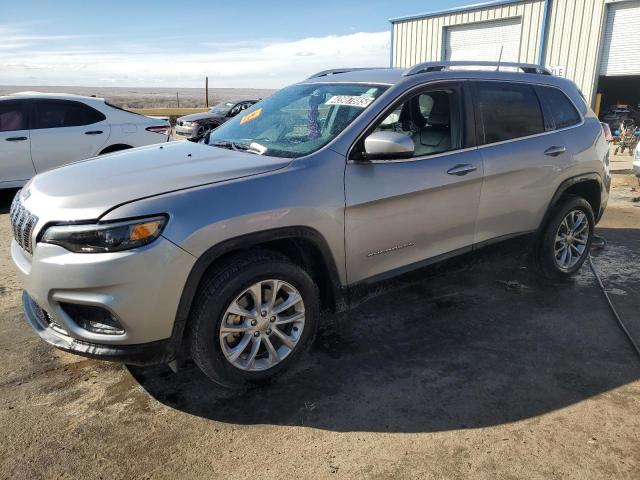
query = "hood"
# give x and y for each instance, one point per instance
(85, 190)
(194, 117)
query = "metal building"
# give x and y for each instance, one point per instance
(596, 43)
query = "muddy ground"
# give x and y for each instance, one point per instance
(481, 371)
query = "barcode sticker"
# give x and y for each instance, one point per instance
(350, 101)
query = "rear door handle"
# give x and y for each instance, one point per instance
(462, 169)
(93, 132)
(554, 151)
(16, 139)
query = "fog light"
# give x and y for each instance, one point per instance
(93, 319)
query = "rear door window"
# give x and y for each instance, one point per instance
(12, 117)
(509, 111)
(562, 111)
(64, 113)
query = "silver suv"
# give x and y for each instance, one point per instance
(228, 250)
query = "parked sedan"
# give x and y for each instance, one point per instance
(41, 131)
(196, 124)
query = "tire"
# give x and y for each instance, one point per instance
(222, 287)
(549, 252)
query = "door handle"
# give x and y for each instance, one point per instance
(93, 132)
(554, 151)
(462, 169)
(16, 139)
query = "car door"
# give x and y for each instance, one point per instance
(523, 157)
(15, 155)
(404, 212)
(64, 131)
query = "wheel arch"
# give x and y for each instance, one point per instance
(116, 147)
(588, 186)
(303, 245)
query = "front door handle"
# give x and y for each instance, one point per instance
(93, 132)
(554, 151)
(462, 169)
(16, 139)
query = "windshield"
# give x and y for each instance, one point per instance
(296, 120)
(222, 108)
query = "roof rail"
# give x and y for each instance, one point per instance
(439, 66)
(335, 71)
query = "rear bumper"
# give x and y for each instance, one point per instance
(162, 351)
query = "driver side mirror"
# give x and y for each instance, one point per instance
(388, 145)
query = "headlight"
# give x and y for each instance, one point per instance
(106, 237)
(190, 124)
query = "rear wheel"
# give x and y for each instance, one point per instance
(252, 318)
(566, 240)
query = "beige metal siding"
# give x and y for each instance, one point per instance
(422, 39)
(574, 40)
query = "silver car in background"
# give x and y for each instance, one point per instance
(228, 251)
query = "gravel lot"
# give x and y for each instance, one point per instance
(482, 371)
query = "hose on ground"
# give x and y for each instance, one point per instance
(613, 308)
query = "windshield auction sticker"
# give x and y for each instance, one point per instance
(350, 101)
(250, 116)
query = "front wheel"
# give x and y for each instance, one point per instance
(566, 240)
(252, 318)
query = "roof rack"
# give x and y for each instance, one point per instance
(440, 66)
(335, 71)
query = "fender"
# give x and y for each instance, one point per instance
(339, 297)
(564, 186)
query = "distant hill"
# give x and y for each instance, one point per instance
(132, 97)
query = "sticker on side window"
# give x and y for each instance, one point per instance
(350, 101)
(250, 116)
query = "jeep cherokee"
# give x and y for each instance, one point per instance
(227, 250)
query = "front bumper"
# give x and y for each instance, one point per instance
(140, 287)
(162, 351)
(186, 131)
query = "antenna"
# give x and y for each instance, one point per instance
(500, 58)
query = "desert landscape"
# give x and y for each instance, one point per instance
(135, 98)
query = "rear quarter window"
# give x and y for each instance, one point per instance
(562, 111)
(509, 111)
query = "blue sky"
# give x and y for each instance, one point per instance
(264, 44)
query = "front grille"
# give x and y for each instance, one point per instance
(22, 222)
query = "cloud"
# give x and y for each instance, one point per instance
(67, 60)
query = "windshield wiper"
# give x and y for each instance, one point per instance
(240, 147)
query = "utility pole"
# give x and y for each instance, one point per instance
(206, 91)
(178, 99)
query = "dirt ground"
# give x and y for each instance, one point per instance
(482, 371)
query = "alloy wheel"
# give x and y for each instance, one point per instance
(571, 239)
(262, 325)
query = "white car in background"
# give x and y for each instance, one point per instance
(636, 160)
(40, 131)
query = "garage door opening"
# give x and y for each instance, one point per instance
(617, 92)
